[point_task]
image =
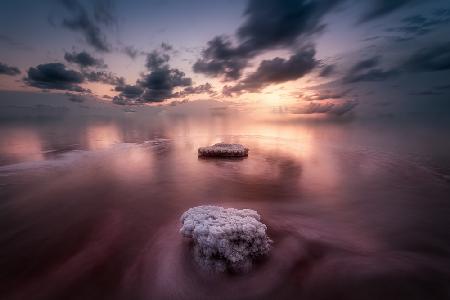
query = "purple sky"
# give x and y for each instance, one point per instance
(307, 56)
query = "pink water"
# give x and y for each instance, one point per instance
(90, 209)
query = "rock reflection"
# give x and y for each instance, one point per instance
(267, 177)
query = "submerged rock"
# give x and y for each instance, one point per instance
(223, 150)
(225, 238)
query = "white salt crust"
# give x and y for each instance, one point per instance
(225, 238)
(223, 150)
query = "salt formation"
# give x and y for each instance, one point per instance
(223, 150)
(225, 238)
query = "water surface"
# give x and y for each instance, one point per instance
(90, 208)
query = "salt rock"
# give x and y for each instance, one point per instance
(223, 150)
(225, 238)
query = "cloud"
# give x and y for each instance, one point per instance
(123, 101)
(315, 108)
(221, 58)
(276, 70)
(166, 47)
(380, 8)
(104, 12)
(157, 85)
(178, 102)
(326, 108)
(157, 60)
(370, 75)
(130, 91)
(365, 64)
(75, 98)
(199, 89)
(272, 23)
(417, 25)
(160, 83)
(131, 51)
(344, 108)
(367, 70)
(104, 77)
(442, 87)
(269, 24)
(326, 95)
(84, 60)
(54, 76)
(426, 93)
(430, 59)
(327, 70)
(12, 43)
(81, 21)
(8, 70)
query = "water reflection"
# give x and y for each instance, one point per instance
(101, 136)
(353, 213)
(19, 144)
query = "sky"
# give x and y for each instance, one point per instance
(336, 57)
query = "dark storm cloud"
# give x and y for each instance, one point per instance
(221, 58)
(155, 86)
(430, 59)
(327, 108)
(380, 8)
(54, 76)
(8, 70)
(276, 70)
(368, 70)
(84, 60)
(161, 80)
(130, 91)
(327, 70)
(269, 24)
(279, 23)
(81, 21)
(159, 83)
